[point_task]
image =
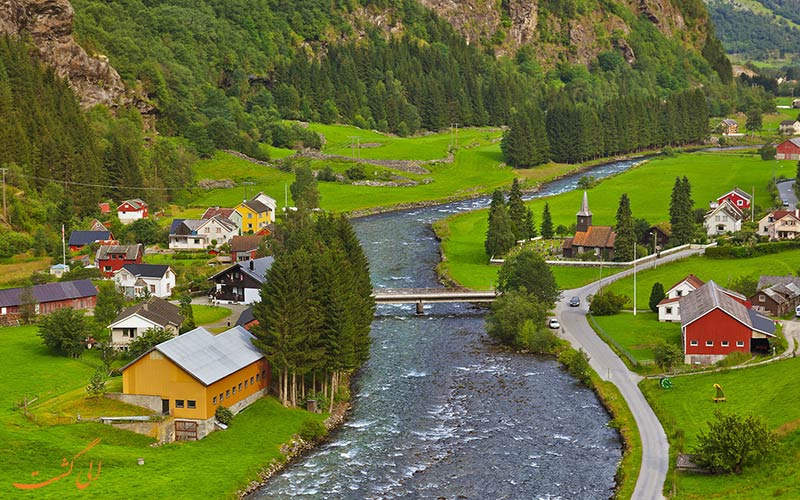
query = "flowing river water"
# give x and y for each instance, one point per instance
(439, 412)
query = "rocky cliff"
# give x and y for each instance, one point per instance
(48, 24)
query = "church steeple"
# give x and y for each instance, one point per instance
(584, 216)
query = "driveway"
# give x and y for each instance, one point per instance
(576, 329)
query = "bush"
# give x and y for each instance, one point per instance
(224, 415)
(322, 400)
(607, 303)
(312, 430)
(326, 174)
(733, 441)
(538, 338)
(733, 359)
(577, 364)
(356, 173)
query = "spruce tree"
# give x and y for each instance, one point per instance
(656, 295)
(681, 212)
(518, 141)
(530, 223)
(626, 236)
(547, 222)
(517, 212)
(500, 235)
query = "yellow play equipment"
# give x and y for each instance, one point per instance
(720, 398)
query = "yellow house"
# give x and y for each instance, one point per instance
(256, 213)
(198, 371)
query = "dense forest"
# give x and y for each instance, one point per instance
(757, 35)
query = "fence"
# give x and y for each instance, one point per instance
(616, 345)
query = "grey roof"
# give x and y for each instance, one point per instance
(130, 251)
(258, 272)
(209, 357)
(767, 281)
(788, 122)
(711, 296)
(50, 292)
(728, 121)
(81, 238)
(761, 323)
(245, 317)
(584, 206)
(257, 206)
(157, 310)
(147, 270)
(774, 295)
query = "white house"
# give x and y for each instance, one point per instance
(241, 283)
(789, 127)
(194, 234)
(724, 218)
(138, 280)
(780, 225)
(668, 309)
(132, 210)
(135, 320)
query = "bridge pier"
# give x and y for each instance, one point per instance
(420, 308)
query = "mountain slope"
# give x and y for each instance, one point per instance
(758, 28)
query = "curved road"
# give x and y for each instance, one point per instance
(655, 450)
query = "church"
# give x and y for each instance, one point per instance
(589, 238)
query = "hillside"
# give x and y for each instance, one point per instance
(757, 29)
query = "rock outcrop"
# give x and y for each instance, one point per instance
(48, 25)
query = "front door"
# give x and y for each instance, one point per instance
(165, 406)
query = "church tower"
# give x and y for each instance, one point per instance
(584, 216)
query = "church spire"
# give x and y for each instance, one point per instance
(584, 216)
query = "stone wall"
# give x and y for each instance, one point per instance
(163, 430)
(152, 403)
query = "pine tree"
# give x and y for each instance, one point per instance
(626, 236)
(680, 212)
(500, 236)
(656, 295)
(518, 144)
(517, 212)
(530, 223)
(304, 188)
(547, 222)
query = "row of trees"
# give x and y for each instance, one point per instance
(512, 221)
(566, 132)
(316, 306)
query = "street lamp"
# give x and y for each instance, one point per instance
(634, 278)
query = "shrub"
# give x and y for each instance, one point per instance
(607, 303)
(326, 174)
(224, 415)
(537, 338)
(312, 430)
(733, 359)
(733, 441)
(577, 364)
(356, 173)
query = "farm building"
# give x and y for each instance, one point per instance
(80, 294)
(788, 150)
(132, 210)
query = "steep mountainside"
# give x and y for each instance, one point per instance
(758, 28)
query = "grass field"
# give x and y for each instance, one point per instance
(204, 315)
(649, 187)
(639, 334)
(18, 269)
(215, 466)
(766, 391)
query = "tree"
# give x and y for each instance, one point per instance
(607, 303)
(656, 295)
(150, 338)
(525, 142)
(681, 212)
(767, 151)
(65, 331)
(547, 222)
(500, 235)
(562, 230)
(733, 441)
(109, 303)
(536, 337)
(577, 363)
(747, 285)
(97, 384)
(27, 306)
(304, 188)
(754, 121)
(188, 314)
(527, 272)
(518, 213)
(510, 312)
(626, 237)
(667, 356)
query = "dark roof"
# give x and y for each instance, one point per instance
(788, 122)
(258, 272)
(767, 281)
(156, 310)
(50, 292)
(175, 225)
(245, 242)
(692, 280)
(131, 251)
(81, 238)
(257, 206)
(147, 270)
(711, 296)
(761, 323)
(246, 317)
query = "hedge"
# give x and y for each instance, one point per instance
(743, 252)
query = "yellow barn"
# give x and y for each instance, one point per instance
(197, 372)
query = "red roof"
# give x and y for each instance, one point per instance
(212, 211)
(692, 280)
(594, 237)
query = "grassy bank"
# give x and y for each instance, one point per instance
(216, 466)
(766, 391)
(639, 334)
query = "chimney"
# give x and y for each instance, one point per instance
(251, 264)
(144, 306)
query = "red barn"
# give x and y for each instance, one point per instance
(80, 294)
(716, 322)
(111, 258)
(245, 247)
(131, 210)
(739, 198)
(788, 150)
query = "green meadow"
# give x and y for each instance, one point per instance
(648, 186)
(767, 391)
(639, 334)
(34, 445)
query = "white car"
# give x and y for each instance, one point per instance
(554, 324)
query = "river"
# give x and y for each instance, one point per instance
(439, 412)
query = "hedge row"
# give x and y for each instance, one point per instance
(743, 252)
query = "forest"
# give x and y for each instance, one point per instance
(757, 35)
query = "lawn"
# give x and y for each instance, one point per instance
(649, 187)
(17, 270)
(216, 466)
(766, 391)
(639, 334)
(203, 315)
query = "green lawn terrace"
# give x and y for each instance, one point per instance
(636, 335)
(38, 440)
(766, 391)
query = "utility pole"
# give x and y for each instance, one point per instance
(355, 144)
(634, 278)
(454, 129)
(5, 207)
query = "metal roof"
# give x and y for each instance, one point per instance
(245, 317)
(761, 323)
(131, 251)
(209, 357)
(81, 238)
(766, 281)
(50, 292)
(147, 270)
(258, 272)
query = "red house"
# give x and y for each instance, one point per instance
(716, 322)
(132, 210)
(788, 150)
(111, 258)
(80, 294)
(739, 198)
(244, 248)
(79, 239)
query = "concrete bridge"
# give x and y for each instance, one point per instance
(420, 296)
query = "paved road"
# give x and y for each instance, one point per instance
(786, 189)
(655, 449)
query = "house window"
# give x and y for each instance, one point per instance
(709, 343)
(678, 293)
(228, 393)
(263, 374)
(197, 241)
(724, 343)
(717, 218)
(245, 383)
(191, 404)
(219, 230)
(739, 202)
(740, 343)
(214, 401)
(251, 380)
(249, 216)
(761, 298)
(249, 226)
(669, 310)
(240, 387)
(178, 403)
(693, 342)
(221, 397)
(233, 389)
(129, 332)
(152, 289)
(107, 269)
(4, 311)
